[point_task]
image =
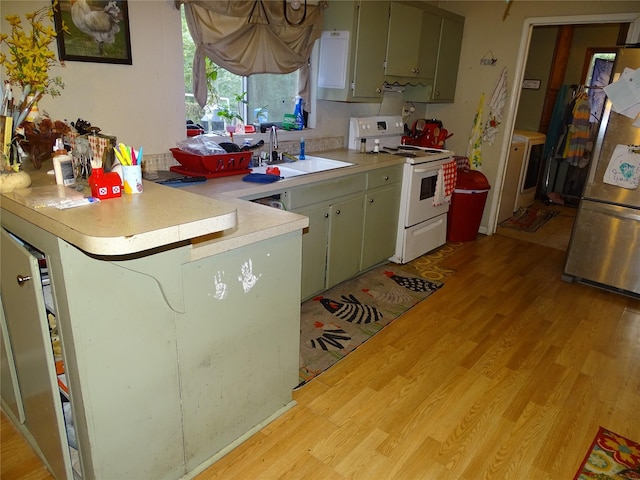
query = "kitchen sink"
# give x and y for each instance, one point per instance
(285, 171)
(302, 167)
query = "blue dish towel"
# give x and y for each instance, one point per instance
(260, 178)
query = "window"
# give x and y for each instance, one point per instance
(599, 70)
(268, 96)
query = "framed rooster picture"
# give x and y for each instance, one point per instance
(93, 31)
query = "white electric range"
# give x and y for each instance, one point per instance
(422, 226)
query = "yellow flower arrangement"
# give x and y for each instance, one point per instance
(29, 57)
(26, 64)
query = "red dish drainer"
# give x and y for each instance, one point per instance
(211, 166)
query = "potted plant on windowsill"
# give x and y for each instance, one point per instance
(230, 115)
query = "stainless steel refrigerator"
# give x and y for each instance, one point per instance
(604, 249)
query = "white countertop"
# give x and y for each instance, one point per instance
(211, 216)
(226, 187)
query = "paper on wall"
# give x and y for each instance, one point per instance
(624, 167)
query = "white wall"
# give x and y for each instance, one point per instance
(142, 104)
(485, 31)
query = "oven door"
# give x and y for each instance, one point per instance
(420, 190)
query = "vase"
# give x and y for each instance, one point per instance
(10, 181)
(34, 112)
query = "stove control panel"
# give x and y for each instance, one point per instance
(380, 127)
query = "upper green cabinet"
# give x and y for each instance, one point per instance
(404, 42)
(444, 85)
(352, 51)
(369, 43)
(441, 41)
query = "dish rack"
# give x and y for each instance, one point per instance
(211, 166)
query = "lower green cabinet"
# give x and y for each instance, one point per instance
(345, 240)
(332, 245)
(353, 223)
(314, 250)
(380, 225)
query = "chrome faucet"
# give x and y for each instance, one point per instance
(273, 145)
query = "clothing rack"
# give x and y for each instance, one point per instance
(565, 170)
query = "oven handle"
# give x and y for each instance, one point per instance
(425, 170)
(428, 227)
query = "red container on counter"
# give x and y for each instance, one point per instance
(105, 185)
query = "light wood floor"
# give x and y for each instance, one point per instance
(505, 373)
(555, 233)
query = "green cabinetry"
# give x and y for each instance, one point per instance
(412, 45)
(366, 23)
(401, 42)
(352, 225)
(172, 355)
(382, 203)
(31, 393)
(440, 46)
(332, 245)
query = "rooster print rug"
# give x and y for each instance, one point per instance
(336, 322)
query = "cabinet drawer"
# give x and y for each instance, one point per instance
(323, 191)
(384, 176)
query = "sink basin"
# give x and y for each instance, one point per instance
(302, 167)
(285, 171)
(317, 164)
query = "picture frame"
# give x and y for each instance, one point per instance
(96, 31)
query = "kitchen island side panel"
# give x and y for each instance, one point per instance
(119, 340)
(238, 342)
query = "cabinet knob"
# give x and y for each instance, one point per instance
(415, 71)
(437, 94)
(378, 90)
(371, 200)
(22, 279)
(338, 212)
(386, 178)
(326, 215)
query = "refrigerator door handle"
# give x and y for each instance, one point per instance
(614, 210)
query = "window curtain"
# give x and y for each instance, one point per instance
(252, 36)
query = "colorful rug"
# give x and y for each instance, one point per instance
(611, 456)
(529, 219)
(334, 324)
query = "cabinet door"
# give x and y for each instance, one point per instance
(28, 330)
(370, 46)
(345, 240)
(314, 251)
(403, 43)
(444, 88)
(380, 225)
(430, 39)
(9, 389)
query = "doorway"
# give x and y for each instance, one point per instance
(521, 73)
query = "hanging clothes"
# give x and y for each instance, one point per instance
(579, 130)
(573, 140)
